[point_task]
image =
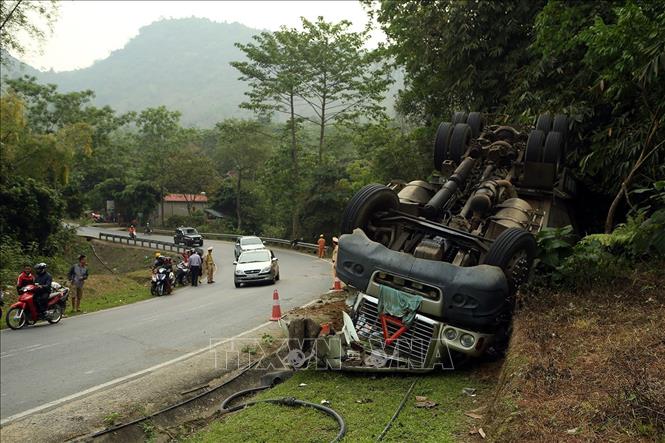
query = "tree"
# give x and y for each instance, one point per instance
(273, 74)
(157, 138)
(242, 149)
(46, 157)
(341, 79)
(20, 16)
(457, 54)
(604, 67)
(30, 212)
(190, 172)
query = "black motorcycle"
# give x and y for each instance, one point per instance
(162, 279)
(182, 274)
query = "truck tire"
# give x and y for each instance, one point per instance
(459, 117)
(459, 141)
(476, 123)
(544, 122)
(560, 124)
(370, 199)
(534, 146)
(441, 143)
(513, 251)
(553, 148)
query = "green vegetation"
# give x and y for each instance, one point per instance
(602, 64)
(366, 403)
(121, 279)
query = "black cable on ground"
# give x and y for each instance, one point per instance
(177, 405)
(399, 409)
(287, 401)
(226, 401)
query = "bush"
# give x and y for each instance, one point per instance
(601, 257)
(30, 212)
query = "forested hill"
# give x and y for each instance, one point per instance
(182, 64)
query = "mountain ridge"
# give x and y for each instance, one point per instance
(183, 64)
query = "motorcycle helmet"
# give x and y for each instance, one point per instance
(40, 268)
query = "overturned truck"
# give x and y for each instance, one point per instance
(437, 263)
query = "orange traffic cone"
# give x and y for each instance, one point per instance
(276, 309)
(338, 285)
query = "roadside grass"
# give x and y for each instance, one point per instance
(586, 365)
(122, 278)
(366, 403)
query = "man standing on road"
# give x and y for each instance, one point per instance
(78, 275)
(195, 267)
(209, 264)
(322, 246)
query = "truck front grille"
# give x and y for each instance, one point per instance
(412, 345)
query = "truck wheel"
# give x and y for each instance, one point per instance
(553, 148)
(476, 123)
(459, 117)
(513, 251)
(534, 146)
(441, 143)
(370, 199)
(560, 124)
(459, 141)
(544, 122)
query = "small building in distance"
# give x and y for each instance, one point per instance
(181, 204)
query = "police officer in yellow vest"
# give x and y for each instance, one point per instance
(209, 266)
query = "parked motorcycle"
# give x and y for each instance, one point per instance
(24, 311)
(182, 274)
(162, 281)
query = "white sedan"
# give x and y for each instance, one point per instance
(256, 266)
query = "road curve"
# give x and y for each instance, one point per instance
(44, 363)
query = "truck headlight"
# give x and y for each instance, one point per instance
(467, 340)
(450, 334)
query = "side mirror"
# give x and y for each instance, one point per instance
(235, 263)
(275, 259)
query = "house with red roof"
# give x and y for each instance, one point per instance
(182, 204)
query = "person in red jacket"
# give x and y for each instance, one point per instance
(25, 278)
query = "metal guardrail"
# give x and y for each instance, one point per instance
(232, 237)
(143, 242)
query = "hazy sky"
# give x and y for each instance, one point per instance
(89, 30)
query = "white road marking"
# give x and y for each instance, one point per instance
(124, 378)
(28, 349)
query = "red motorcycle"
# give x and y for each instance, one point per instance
(24, 311)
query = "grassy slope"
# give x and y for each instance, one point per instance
(365, 402)
(587, 365)
(105, 289)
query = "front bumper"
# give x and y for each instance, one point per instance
(474, 298)
(249, 278)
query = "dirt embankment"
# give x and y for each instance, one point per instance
(586, 365)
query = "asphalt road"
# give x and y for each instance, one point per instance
(44, 363)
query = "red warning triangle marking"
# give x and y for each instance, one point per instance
(385, 319)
